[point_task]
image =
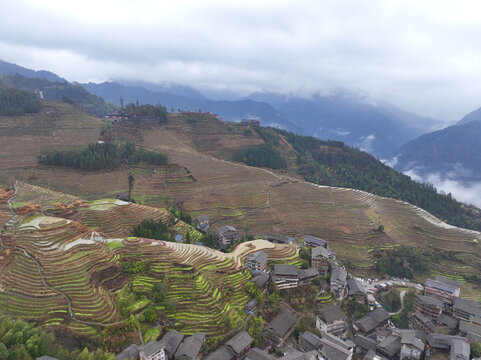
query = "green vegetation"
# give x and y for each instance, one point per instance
(401, 320)
(135, 267)
(402, 261)
(157, 111)
(254, 329)
(103, 156)
(20, 340)
(353, 310)
(335, 164)
(18, 102)
(261, 155)
(152, 230)
(391, 300)
(60, 91)
(180, 214)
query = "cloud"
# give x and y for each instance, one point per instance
(422, 56)
(465, 191)
(366, 142)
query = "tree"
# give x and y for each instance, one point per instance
(131, 185)
(475, 349)
(187, 237)
(121, 103)
(150, 315)
(305, 265)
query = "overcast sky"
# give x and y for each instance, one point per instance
(424, 56)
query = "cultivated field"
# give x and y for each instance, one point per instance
(256, 200)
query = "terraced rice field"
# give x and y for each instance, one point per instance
(60, 274)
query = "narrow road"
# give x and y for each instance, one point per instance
(401, 296)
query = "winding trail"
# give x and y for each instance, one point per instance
(13, 222)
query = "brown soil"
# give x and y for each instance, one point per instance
(30, 207)
(5, 194)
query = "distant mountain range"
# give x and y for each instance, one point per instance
(453, 153)
(379, 129)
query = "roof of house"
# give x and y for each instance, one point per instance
(364, 342)
(331, 313)
(240, 341)
(460, 349)
(469, 328)
(315, 240)
(201, 218)
(420, 317)
(307, 273)
(442, 341)
(355, 287)
(277, 237)
(293, 354)
(333, 351)
(130, 352)
(222, 353)
(441, 285)
(390, 345)
(346, 344)
(372, 319)
(338, 274)
(468, 306)
(319, 252)
(226, 228)
(191, 346)
(46, 357)
(409, 338)
(283, 270)
(171, 341)
(258, 354)
(259, 256)
(151, 347)
(283, 322)
(447, 320)
(449, 281)
(260, 280)
(310, 338)
(428, 300)
(371, 355)
(251, 304)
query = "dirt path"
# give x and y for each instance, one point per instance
(401, 296)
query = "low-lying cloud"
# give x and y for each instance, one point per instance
(465, 191)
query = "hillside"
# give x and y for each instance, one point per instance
(255, 200)
(472, 116)
(378, 130)
(452, 152)
(228, 110)
(65, 260)
(60, 91)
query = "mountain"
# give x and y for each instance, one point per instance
(453, 153)
(232, 111)
(349, 118)
(472, 116)
(59, 90)
(10, 69)
(175, 89)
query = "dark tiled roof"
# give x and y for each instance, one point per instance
(355, 287)
(46, 357)
(310, 338)
(240, 341)
(257, 354)
(222, 353)
(277, 237)
(191, 346)
(226, 228)
(307, 273)
(315, 240)
(372, 319)
(428, 300)
(371, 355)
(201, 218)
(130, 352)
(283, 322)
(447, 320)
(442, 341)
(282, 270)
(467, 327)
(260, 280)
(468, 306)
(259, 256)
(460, 350)
(448, 281)
(365, 343)
(151, 347)
(251, 304)
(338, 274)
(333, 351)
(319, 252)
(440, 285)
(390, 345)
(171, 340)
(331, 313)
